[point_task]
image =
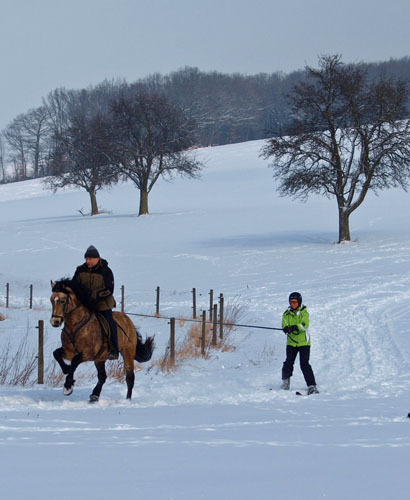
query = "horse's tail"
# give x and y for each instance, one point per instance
(145, 349)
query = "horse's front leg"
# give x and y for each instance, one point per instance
(69, 380)
(102, 377)
(59, 357)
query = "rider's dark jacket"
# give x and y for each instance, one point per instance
(100, 281)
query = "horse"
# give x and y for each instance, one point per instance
(83, 338)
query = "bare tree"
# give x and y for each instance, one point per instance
(152, 139)
(36, 128)
(81, 144)
(348, 136)
(18, 152)
(27, 136)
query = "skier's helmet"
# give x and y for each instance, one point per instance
(296, 296)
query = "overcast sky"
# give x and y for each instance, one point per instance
(47, 44)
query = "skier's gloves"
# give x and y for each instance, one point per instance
(290, 329)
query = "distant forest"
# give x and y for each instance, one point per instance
(229, 108)
(225, 108)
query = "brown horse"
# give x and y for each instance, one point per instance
(83, 339)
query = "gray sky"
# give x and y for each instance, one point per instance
(47, 44)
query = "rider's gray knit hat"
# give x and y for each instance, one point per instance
(91, 252)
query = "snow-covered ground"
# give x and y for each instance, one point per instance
(217, 428)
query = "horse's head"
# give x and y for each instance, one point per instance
(63, 300)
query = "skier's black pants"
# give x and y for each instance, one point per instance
(113, 327)
(304, 353)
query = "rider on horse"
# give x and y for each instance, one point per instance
(98, 278)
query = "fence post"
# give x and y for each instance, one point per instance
(157, 303)
(221, 316)
(214, 325)
(122, 298)
(40, 357)
(194, 303)
(31, 296)
(172, 342)
(7, 294)
(203, 333)
(211, 303)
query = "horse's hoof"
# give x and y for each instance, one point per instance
(94, 398)
(68, 391)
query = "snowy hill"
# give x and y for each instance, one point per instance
(217, 428)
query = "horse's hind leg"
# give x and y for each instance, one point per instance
(102, 377)
(130, 378)
(69, 380)
(129, 372)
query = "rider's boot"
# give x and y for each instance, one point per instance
(114, 351)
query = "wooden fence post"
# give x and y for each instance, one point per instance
(221, 316)
(172, 342)
(194, 303)
(214, 325)
(157, 303)
(211, 303)
(40, 357)
(203, 333)
(122, 298)
(31, 296)
(7, 294)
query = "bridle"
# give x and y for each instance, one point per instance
(65, 308)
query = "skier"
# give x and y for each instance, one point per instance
(295, 324)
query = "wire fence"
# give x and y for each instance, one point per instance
(23, 296)
(209, 313)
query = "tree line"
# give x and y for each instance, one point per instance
(225, 108)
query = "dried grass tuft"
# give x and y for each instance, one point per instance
(192, 346)
(54, 377)
(16, 368)
(115, 369)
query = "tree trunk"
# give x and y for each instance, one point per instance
(36, 162)
(344, 229)
(143, 202)
(94, 205)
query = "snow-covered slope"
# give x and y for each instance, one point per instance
(217, 428)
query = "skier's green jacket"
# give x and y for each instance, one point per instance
(300, 318)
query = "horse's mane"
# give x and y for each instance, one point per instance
(62, 285)
(66, 285)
